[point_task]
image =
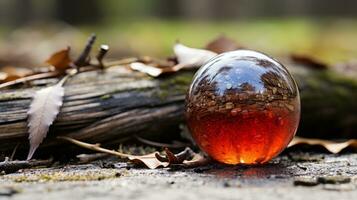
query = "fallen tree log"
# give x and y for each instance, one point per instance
(107, 107)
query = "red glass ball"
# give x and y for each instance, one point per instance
(243, 107)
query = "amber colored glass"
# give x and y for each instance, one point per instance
(243, 107)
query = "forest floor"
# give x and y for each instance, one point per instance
(290, 176)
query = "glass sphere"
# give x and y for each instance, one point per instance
(243, 107)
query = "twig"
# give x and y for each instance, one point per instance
(85, 68)
(14, 152)
(102, 52)
(82, 60)
(30, 78)
(94, 147)
(123, 61)
(13, 166)
(86, 158)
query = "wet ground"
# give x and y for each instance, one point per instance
(291, 176)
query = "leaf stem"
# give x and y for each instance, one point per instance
(30, 78)
(94, 147)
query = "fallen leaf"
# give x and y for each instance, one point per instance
(190, 57)
(347, 68)
(197, 160)
(147, 69)
(43, 110)
(331, 146)
(10, 73)
(186, 158)
(149, 160)
(60, 60)
(308, 61)
(186, 57)
(222, 44)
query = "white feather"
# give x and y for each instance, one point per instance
(190, 57)
(43, 110)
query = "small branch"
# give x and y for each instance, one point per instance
(124, 61)
(30, 78)
(82, 60)
(94, 147)
(13, 166)
(102, 52)
(85, 68)
(14, 152)
(86, 158)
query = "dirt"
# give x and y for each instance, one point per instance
(290, 176)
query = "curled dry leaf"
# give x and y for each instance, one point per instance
(187, 58)
(43, 110)
(150, 160)
(152, 70)
(146, 68)
(191, 57)
(60, 60)
(10, 73)
(308, 61)
(187, 158)
(222, 44)
(347, 68)
(198, 160)
(331, 146)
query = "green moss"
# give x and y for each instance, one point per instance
(107, 96)
(162, 94)
(175, 84)
(180, 81)
(67, 176)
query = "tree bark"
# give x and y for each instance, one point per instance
(111, 106)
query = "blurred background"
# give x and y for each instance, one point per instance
(30, 30)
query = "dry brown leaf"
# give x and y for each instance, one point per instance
(147, 69)
(331, 146)
(60, 60)
(222, 44)
(43, 110)
(149, 160)
(347, 68)
(197, 160)
(10, 73)
(308, 61)
(152, 70)
(187, 158)
(5, 77)
(188, 57)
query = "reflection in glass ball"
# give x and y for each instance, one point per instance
(243, 107)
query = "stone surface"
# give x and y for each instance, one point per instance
(275, 180)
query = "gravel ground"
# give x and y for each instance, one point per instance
(291, 176)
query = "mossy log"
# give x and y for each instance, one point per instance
(107, 107)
